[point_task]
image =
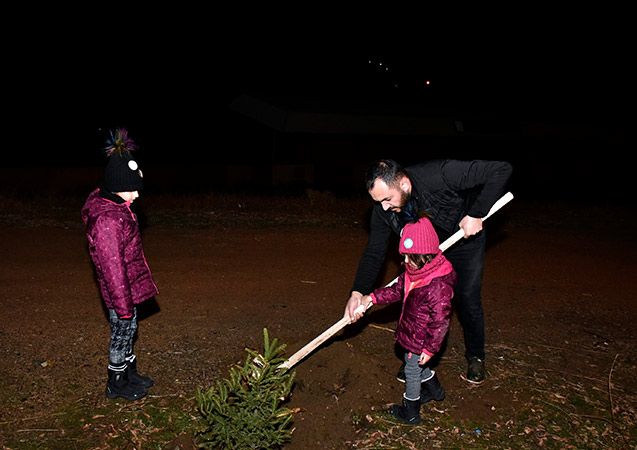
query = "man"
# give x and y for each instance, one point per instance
(453, 194)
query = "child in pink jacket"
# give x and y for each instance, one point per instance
(425, 288)
(122, 273)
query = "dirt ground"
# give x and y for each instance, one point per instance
(559, 282)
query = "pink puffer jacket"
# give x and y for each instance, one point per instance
(115, 245)
(425, 317)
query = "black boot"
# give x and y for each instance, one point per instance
(118, 385)
(408, 412)
(475, 372)
(431, 390)
(135, 377)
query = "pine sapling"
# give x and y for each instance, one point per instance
(245, 411)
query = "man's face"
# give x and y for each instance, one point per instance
(392, 198)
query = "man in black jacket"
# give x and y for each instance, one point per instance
(453, 194)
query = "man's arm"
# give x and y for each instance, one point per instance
(374, 254)
(371, 261)
(488, 177)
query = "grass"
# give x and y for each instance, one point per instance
(556, 406)
(151, 423)
(311, 208)
(553, 409)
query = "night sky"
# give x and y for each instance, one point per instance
(169, 78)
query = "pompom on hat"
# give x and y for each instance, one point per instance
(122, 172)
(419, 238)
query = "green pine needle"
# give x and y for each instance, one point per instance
(245, 411)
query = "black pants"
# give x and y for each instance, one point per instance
(467, 257)
(122, 335)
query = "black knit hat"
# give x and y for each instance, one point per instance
(122, 172)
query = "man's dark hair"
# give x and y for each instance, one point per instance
(387, 170)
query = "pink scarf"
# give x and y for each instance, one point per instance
(438, 267)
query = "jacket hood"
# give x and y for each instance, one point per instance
(96, 205)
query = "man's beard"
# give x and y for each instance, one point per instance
(404, 199)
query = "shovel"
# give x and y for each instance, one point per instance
(331, 331)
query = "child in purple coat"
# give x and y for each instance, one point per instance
(122, 273)
(425, 288)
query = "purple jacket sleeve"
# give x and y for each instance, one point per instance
(390, 294)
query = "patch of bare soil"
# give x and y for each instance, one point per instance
(557, 291)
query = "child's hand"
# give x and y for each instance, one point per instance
(423, 358)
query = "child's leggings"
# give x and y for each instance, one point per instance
(121, 345)
(414, 375)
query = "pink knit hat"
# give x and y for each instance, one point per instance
(419, 238)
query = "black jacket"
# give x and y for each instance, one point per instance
(448, 190)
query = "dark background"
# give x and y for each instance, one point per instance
(169, 76)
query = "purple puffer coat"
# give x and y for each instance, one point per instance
(115, 245)
(425, 317)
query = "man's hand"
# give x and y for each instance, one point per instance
(470, 226)
(423, 358)
(355, 300)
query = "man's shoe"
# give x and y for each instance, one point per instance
(475, 373)
(400, 376)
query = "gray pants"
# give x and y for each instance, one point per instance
(414, 375)
(122, 335)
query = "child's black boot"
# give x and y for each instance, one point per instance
(118, 385)
(135, 377)
(408, 412)
(431, 390)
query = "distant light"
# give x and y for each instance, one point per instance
(427, 82)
